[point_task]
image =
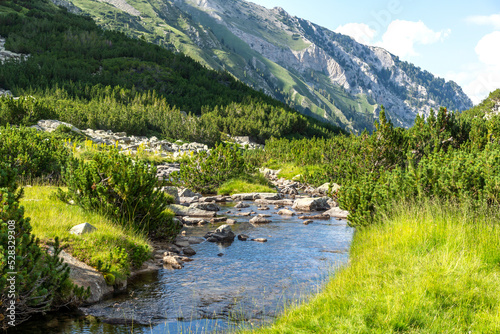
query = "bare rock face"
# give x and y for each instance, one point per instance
(311, 204)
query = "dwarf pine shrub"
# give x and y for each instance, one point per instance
(120, 188)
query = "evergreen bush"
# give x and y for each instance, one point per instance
(205, 172)
(122, 189)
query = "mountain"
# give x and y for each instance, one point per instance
(314, 70)
(70, 69)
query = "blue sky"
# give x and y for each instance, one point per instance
(456, 40)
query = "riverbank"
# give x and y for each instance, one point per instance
(117, 248)
(430, 268)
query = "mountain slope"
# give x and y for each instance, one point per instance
(74, 68)
(314, 70)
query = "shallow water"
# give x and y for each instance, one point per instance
(226, 286)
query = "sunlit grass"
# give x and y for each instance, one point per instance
(51, 218)
(429, 269)
(238, 186)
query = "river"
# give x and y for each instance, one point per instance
(226, 287)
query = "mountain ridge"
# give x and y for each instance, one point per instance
(317, 71)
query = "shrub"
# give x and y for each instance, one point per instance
(32, 153)
(120, 188)
(205, 172)
(41, 282)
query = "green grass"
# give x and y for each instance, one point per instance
(51, 218)
(430, 269)
(240, 185)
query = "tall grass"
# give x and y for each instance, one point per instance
(430, 268)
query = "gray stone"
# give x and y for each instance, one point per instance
(241, 205)
(243, 237)
(82, 229)
(286, 212)
(194, 221)
(307, 222)
(337, 212)
(188, 200)
(205, 206)
(257, 220)
(268, 196)
(173, 191)
(188, 251)
(188, 193)
(260, 239)
(320, 217)
(311, 204)
(180, 210)
(222, 234)
(275, 202)
(195, 240)
(172, 260)
(243, 197)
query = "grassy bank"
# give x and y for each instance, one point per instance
(117, 247)
(431, 268)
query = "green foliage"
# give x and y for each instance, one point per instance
(32, 153)
(40, 279)
(447, 156)
(122, 189)
(206, 172)
(23, 111)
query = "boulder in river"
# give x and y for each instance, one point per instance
(257, 220)
(223, 234)
(241, 205)
(311, 204)
(243, 237)
(286, 212)
(188, 251)
(260, 239)
(173, 260)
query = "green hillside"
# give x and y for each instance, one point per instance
(73, 62)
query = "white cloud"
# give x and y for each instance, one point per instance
(482, 77)
(361, 32)
(488, 49)
(493, 20)
(402, 36)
